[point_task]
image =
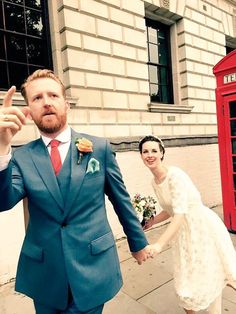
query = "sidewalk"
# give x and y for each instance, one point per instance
(147, 289)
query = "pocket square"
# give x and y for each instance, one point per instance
(93, 166)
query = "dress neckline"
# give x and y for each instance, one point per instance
(164, 180)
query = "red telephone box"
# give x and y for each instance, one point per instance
(225, 72)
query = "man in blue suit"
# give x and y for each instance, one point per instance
(68, 261)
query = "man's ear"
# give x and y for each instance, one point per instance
(67, 105)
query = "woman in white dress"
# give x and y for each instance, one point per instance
(204, 256)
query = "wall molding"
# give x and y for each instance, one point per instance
(124, 144)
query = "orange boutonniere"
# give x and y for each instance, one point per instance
(84, 146)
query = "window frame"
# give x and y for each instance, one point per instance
(164, 87)
(42, 41)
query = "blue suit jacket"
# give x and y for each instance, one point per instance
(69, 243)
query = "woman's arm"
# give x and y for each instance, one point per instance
(163, 215)
(170, 232)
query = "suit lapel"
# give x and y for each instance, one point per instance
(41, 160)
(77, 170)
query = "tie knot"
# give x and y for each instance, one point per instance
(54, 143)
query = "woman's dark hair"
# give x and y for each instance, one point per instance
(152, 138)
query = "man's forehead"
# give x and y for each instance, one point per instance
(43, 84)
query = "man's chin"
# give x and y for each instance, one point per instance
(50, 128)
(51, 125)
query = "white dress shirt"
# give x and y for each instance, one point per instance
(64, 137)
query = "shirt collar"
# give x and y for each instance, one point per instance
(63, 137)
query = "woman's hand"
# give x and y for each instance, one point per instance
(154, 249)
(149, 223)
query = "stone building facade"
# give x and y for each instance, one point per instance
(99, 49)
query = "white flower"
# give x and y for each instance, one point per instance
(144, 206)
(142, 203)
(140, 216)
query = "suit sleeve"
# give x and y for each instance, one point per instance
(120, 199)
(11, 187)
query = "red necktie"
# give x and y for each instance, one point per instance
(55, 156)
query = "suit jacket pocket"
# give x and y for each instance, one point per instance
(32, 251)
(89, 176)
(102, 243)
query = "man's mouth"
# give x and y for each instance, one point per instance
(49, 114)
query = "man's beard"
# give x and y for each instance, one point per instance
(53, 128)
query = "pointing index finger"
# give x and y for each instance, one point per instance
(7, 100)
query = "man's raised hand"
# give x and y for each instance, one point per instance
(11, 120)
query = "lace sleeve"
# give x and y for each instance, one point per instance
(179, 191)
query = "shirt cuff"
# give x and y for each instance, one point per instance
(4, 161)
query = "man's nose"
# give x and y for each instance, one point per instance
(46, 101)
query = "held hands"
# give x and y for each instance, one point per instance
(155, 249)
(11, 120)
(148, 252)
(142, 255)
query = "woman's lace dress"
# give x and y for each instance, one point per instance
(204, 256)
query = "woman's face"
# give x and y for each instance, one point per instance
(151, 154)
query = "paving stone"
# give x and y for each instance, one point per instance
(141, 279)
(12, 302)
(124, 304)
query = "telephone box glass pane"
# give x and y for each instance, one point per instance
(234, 164)
(234, 182)
(233, 127)
(232, 109)
(233, 146)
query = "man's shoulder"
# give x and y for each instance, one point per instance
(93, 138)
(25, 147)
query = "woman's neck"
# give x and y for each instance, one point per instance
(159, 174)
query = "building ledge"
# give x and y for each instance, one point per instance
(124, 144)
(156, 107)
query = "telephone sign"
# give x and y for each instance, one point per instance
(230, 78)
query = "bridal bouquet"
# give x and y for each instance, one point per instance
(144, 206)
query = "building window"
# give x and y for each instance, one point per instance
(159, 62)
(24, 40)
(229, 49)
